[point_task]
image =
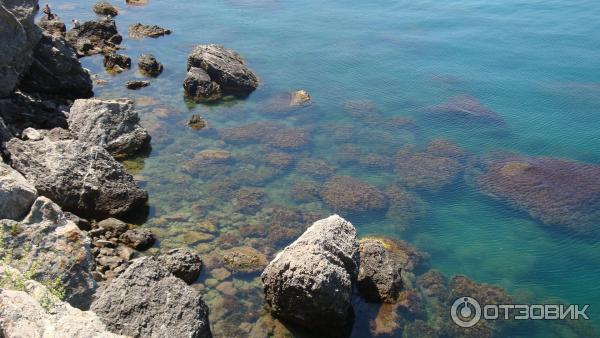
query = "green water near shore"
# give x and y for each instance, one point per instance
(535, 63)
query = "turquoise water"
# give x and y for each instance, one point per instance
(536, 63)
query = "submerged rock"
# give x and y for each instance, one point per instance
(310, 282)
(348, 195)
(148, 65)
(465, 107)
(300, 98)
(16, 194)
(555, 191)
(56, 70)
(135, 85)
(244, 259)
(112, 124)
(105, 8)
(36, 312)
(199, 86)
(432, 169)
(18, 38)
(80, 177)
(148, 301)
(51, 249)
(116, 63)
(225, 67)
(249, 200)
(182, 263)
(139, 30)
(95, 37)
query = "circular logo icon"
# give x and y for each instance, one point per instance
(465, 312)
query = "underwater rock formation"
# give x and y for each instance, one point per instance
(348, 195)
(555, 191)
(464, 107)
(432, 169)
(310, 282)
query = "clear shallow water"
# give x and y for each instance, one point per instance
(535, 63)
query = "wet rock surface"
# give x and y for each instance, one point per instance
(135, 85)
(139, 30)
(95, 37)
(310, 282)
(80, 177)
(146, 300)
(225, 67)
(111, 124)
(56, 70)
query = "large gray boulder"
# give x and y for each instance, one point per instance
(112, 124)
(51, 249)
(56, 70)
(310, 282)
(80, 177)
(225, 67)
(18, 37)
(36, 312)
(16, 194)
(146, 300)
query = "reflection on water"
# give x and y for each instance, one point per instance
(408, 100)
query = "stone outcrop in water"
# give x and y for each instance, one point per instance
(56, 70)
(116, 63)
(16, 194)
(199, 86)
(112, 124)
(149, 66)
(224, 67)
(148, 301)
(79, 176)
(105, 8)
(555, 191)
(95, 37)
(18, 38)
(50, 248)
(182, 263)
(310, 282)
(36, 312)
(139, 31)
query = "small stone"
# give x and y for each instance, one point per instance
(138, 31)
(148, 65)
(300, 98)
(226, 288)
(136, 84)
(182, 263)
(105, 8)
(192, 237)
(139, 239)
(196, 122)
(113, 225)
(211, 282)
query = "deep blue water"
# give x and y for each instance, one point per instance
(536, 63)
